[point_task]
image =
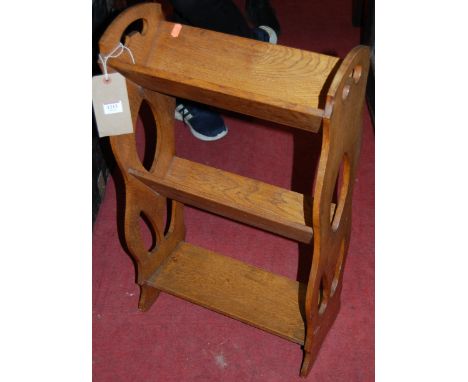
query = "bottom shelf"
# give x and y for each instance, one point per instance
(254, 296)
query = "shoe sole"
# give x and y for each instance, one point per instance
(196, 134)
(271, 32)
(178, 116)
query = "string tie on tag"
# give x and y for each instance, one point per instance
(116, 52)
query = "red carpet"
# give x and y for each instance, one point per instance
(178, 341)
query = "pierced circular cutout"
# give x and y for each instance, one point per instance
(339, 265)
(168, 218)
(148, 235)
(346, 91)
(146, 136)
(322, 297)
(356, 73)
(342, 188)
(138, 26)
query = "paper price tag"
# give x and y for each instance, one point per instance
(111, 106)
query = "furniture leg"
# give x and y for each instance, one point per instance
(148, 296)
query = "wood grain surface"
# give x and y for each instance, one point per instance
(250, 201)
(272, 82)
(238, 290)
(301, 89)
(341, 142)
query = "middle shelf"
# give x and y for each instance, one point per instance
(243, 199)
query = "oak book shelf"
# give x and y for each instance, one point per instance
(304, 90)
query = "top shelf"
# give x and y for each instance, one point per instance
(272, 82)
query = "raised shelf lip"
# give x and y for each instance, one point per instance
(269, 109)
(254, 296)
(239, 74)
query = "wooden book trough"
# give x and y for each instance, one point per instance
(300, 89)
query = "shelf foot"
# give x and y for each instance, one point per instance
(306, 364)
(148, 296)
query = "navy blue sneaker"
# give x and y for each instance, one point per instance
(208, 125)
(204, 123)
(265, 33)
(260, 12)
